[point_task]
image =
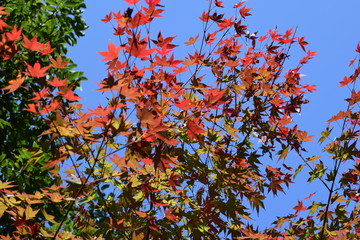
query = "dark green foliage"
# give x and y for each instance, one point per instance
(59, 22)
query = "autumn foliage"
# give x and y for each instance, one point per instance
(185, 148)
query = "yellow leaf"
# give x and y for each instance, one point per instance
(313, 158)
(3, 208)
(49, 217)
(139, 236)
(29, 213)
(6, 185)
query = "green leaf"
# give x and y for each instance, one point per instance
(325, 134)
(298, 170)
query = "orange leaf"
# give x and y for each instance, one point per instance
(204, 17)
(46, 49)
(15, 83)
(355, 97)
(169, 215)
(58, 63)
(141, 214)
(302, 136)
(192, 40)
(346, 81)
(340, 115)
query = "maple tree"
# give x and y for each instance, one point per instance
(184, 159)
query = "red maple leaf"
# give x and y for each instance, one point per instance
(184, 104)
(173, 181)
(352, 62)
(160, 42)
(14, 34)
(32, 44)
(107, 17)
(147, 161)
(112, 53)
(213, 97)
(302, 43)
(57, 83)
(152, 3)
(178, 70)
(138, 48)
(32, 108)
(300, 207)
(3, 12)
(225, 23)
(219, 3)
(194, 129)
(39, 95)
(163, 51)
(3, 24)
(50, 107)
(69, 95)
(242, 162)
(310, 88)
(132, 2)
(355, 196)
(36, 70)
(308, 197)
(262, 38)
(239, 4)
(245, 12)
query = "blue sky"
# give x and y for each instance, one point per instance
(331, 28)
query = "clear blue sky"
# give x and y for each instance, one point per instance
(331, 28)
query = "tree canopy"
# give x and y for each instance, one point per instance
(185, 148)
